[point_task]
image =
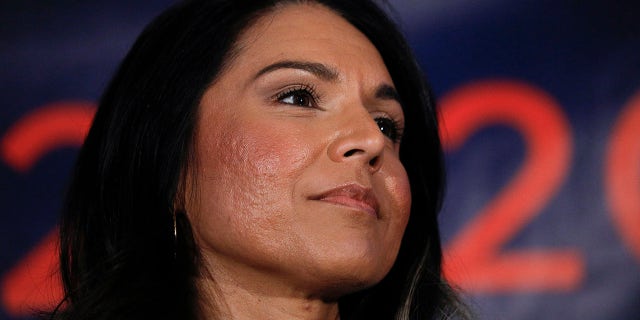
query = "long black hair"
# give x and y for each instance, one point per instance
(120, 256)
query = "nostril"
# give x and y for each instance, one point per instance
(374, 161)
(350, 152)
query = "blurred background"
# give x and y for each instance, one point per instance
(540, 106)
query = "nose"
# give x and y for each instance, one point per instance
(359, 140)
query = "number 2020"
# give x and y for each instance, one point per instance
(32, 283)
(473, 259)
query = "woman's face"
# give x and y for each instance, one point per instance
(298, 180)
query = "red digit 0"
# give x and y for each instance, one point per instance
(623, 175)
(474, 260)
(33, 283)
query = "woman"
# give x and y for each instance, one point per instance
(260, 160)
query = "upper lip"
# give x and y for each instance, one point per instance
(360, 197)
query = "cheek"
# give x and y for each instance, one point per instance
(269, 160)
(247, 161)
(397, 183)
(399, 192)
(246, 177)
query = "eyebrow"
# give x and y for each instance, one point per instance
(383, 91)
(318, 69)
(387, 92)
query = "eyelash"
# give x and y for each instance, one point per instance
(395, 133)
(307, 90)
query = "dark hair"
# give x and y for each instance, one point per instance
(119, 256)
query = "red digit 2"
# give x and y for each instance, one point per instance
(474, 259)
(32, 284)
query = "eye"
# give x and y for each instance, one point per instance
(390, 128)
(303, 96)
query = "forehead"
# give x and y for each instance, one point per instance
(308, 32)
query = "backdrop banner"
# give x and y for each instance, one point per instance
(540, 111)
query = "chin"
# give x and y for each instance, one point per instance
(348, 275)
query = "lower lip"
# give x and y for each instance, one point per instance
(351, 203)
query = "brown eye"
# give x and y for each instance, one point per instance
(389, 128)
(301, 95)
(298, 97)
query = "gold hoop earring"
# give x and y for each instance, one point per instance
(175, 235)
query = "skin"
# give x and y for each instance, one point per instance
(272, 246)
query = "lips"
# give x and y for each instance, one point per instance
(353, 196)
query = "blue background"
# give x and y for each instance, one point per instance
(585, 54)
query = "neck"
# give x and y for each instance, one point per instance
(224, 296)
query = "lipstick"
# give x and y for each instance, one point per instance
(353, 196)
